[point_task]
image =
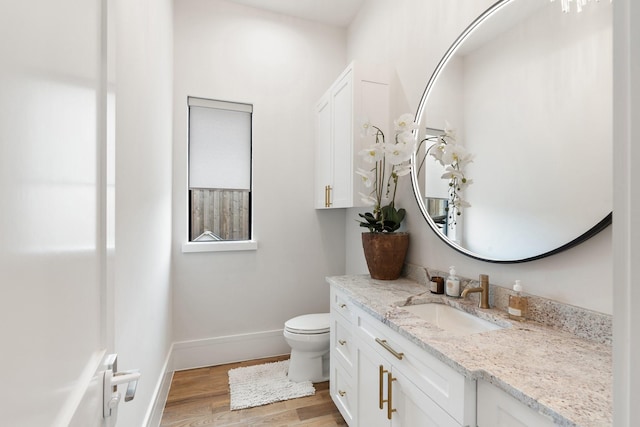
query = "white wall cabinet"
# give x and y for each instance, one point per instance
(360, 93)
(497, 409)
(379, 378)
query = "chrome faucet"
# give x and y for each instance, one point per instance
(483, 288)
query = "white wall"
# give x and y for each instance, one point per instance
(281, 65)
(142, 288)
(578, 276)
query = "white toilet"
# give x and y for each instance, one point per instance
(308, 337)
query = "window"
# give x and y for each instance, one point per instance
(219, 173)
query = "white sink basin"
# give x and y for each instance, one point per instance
(450, 319)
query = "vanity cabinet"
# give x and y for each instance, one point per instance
(360, 92)
(379, 378)
(497, 409)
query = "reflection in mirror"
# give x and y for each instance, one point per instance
(528, 90)
(446, 179)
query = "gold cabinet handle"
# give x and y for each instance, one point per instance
(387, 347)
(327, 196)
(381, 386)
(390, 408)
(342, 393)
(342, 342)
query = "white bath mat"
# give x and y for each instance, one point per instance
(262, 384)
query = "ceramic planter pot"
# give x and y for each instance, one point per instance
(385, 254)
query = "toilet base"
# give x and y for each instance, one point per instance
(304, 366)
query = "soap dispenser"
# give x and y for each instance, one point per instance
(453, 283)
(517, 304)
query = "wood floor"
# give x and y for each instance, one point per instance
(200, 397)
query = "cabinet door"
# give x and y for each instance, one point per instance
(413, 407)
(372, 387)
(386, 397)
(497, 409)
(342, 115)
(449, 389)
(324, 164)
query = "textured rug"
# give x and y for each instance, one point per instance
(262, 384)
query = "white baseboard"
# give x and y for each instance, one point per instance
(154, 413)
(228, 349)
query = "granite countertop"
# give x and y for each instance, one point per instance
(552, 371)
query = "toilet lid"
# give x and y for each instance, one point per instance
(308, 324)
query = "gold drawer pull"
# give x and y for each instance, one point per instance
(390, 409)
(380, 385)
(343, 305)
(387, 347)
(342, 393)
(342, 342)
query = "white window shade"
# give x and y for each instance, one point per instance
(219, 145)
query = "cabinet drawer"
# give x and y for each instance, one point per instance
(449, 389)
(342, 306)
(343, 393)
(343, 345)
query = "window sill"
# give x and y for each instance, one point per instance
(245, 245)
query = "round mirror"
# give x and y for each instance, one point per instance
(515, 160)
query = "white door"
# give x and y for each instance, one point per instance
(54, 307)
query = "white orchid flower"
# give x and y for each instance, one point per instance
(373, 153)
(453, 153)
(406, 138)
(367, 177)
(465, 160)
(366, 128)
(402, 170)
(464, 183)
(368, 200)
(458, 203)
(398, 153)
(449, 132)
(437, 152)
(451, 173)
(405, 123)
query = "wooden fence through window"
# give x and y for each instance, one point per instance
(223, 212)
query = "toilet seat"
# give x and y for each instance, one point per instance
(308, 324)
